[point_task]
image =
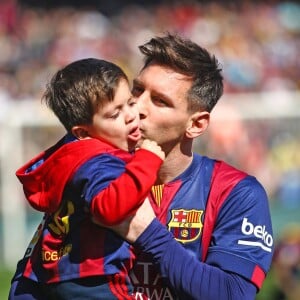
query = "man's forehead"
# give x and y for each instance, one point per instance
(162, 77)
(164, 83)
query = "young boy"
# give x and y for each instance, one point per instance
(92, 175)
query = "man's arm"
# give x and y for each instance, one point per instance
(185, 273)
(190, 277)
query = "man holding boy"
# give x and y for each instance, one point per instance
(212, 235)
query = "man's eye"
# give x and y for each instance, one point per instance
(136, 91)
(160, 102)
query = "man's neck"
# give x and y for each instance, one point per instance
(173, 166)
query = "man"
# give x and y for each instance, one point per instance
(177, 88)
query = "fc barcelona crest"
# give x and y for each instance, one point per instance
(186, 225)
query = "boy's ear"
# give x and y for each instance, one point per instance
(80, 132)
(197, 124)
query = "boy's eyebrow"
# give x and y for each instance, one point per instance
(118, 106)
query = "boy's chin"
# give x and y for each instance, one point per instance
(139, 143)
(132, 146)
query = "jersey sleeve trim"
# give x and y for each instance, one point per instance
(238, 265)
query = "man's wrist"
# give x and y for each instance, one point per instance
(154, 239)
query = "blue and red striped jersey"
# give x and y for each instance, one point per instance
(78, 183)
(241, 239)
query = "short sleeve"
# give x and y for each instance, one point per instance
(242, 241)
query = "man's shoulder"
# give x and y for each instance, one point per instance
(219, 166)
(223, 167)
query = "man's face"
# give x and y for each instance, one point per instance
(161, 97)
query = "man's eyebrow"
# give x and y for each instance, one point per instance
(136, 81)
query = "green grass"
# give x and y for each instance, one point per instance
(270, 290)
(5, 277)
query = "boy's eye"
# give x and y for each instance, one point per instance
(132, 102)
(115, 115)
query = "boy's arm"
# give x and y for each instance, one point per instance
(123, 195)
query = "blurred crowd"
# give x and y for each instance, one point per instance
(286, 263)
(283, 281)
(257, 42)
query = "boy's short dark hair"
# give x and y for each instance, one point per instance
(75, 91)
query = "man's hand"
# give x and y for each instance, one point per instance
(134, 226)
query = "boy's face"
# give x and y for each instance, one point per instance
(117, 122)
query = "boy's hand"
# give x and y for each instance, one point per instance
(153, 147)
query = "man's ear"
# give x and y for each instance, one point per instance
(80, 132)
(198, 124)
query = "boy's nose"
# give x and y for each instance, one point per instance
(142, 107)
